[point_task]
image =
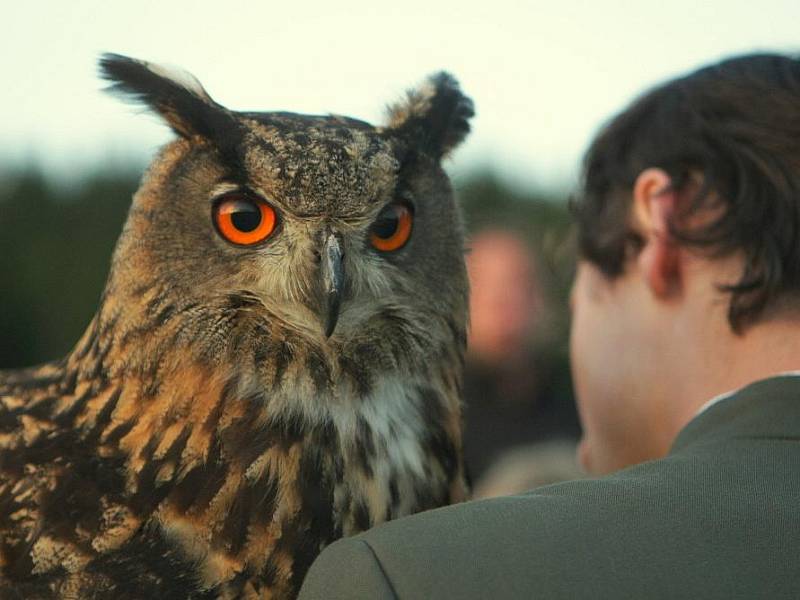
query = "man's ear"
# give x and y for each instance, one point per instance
(655, 203)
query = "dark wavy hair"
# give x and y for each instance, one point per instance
(736, 124)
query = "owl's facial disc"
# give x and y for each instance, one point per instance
(332, 281)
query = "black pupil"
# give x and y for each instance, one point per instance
(245, 217)
(387, 223)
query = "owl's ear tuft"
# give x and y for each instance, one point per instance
(175, 95)
(434, 116)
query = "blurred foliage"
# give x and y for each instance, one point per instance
(55, 251)
(56, 244)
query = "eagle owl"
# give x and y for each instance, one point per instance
(275, 361)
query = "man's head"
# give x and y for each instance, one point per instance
(689, 240)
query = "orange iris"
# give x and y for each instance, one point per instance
(243, 220)
(392, 228)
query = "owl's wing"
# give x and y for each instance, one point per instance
(146, 488)
(70, 525)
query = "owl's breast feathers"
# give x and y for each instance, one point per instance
(173, 474)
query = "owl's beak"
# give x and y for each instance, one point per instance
(333, 281)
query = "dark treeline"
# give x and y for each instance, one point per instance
(56, 244)
(55, 249)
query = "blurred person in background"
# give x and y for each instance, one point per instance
(527, 467)
(685, 352)
(510, 399)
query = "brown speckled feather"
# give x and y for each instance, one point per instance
(205, 438)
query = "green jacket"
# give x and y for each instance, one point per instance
(719, 517)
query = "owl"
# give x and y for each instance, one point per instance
(275, 361)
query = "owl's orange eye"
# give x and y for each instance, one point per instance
(392, 228)
(243, 220)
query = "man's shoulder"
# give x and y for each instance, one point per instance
(510, 545)
(717, 518)
(599, 509)
(654, 530)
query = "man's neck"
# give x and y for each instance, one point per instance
(763, 350)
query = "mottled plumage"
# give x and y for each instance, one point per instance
(207, 437)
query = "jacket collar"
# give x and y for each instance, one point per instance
(769, 408)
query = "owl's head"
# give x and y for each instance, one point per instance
(321, 224)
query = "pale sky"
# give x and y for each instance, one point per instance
(543, 75)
